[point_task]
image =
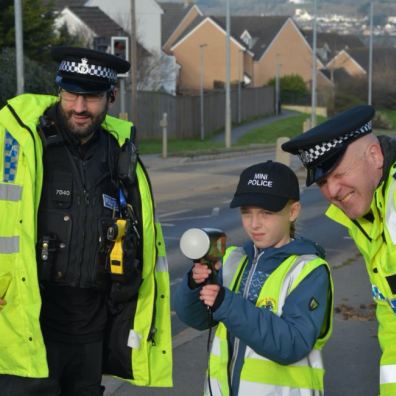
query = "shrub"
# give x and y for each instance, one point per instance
(38, 79)
(292, 89)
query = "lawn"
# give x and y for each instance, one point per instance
(283, 128)
(391, 116)
(268, 134)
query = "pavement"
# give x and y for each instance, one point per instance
(352, 369)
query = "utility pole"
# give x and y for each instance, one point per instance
(277, 86)
(227, 134)
(370, 74)
(314, 71)
(133, 52)
(202, 75)
(19, 47)
(241, 73)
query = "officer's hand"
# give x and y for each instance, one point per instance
(209, 294)
(2, 303)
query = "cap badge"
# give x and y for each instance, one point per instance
(83, 67)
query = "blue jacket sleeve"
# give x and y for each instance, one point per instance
(189, 308)
(285, 339)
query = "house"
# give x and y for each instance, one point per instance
(91, 24)
(148, 19)
(177, 17)
(329, 44)
(260, 45)
(355, 62)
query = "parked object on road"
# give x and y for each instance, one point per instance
(272, 302)
(89, 287)
(355, 171)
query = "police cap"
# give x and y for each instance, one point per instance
(83, 70)
(321, 148)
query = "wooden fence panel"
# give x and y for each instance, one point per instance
(184, 112)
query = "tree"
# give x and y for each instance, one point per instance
(38, 78)
(38, 28)
(292, 88)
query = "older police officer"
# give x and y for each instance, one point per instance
(356, 171)
(84, 285)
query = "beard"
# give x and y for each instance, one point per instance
(88, 128)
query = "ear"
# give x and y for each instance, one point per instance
(375, 155)
(113, 95)
(295, 208)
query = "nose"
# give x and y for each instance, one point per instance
(330, 189)
(80, 104)
(255, 221)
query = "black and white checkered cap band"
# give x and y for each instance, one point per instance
(315, 152)
(85, 68)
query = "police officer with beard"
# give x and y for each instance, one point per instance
(84, 285)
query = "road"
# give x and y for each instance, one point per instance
(196, 193)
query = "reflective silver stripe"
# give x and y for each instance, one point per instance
(293, 273)
(254, 389)
(214, 386)
(9, 245)
(233, 261)
(10, 192)
(162, 264)
(215, 350)
(390, 214)
(388, 374)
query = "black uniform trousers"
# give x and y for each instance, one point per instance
(75, 370)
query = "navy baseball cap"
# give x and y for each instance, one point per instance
(268, 185)
(321, 148)
(83, 70)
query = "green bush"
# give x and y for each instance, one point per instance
(292, 89)
(381, 121)
(343, 101)
(38, 79)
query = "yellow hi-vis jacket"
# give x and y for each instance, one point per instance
(21, 343)
(261, 376)
(376, 241)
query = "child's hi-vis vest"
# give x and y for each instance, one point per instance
(261, 376)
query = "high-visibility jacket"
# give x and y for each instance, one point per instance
(376, 241)
(21, 175)
(259, 375)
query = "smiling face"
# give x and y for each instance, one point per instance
(351, 185)
(83, 113)
(266, 228)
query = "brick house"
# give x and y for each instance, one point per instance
(258, 45)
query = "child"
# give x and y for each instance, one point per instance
(273, 301)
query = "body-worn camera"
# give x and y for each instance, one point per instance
(204, 245)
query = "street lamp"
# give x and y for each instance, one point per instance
(240, 77)
(370, 76)
(202, 69)
(314, 72)
(277, 86)
(19, 46)
(227, 134)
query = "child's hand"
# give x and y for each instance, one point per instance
(209, 294)
(200, 272)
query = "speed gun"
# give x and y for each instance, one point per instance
(206, 245)
(116, 234)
